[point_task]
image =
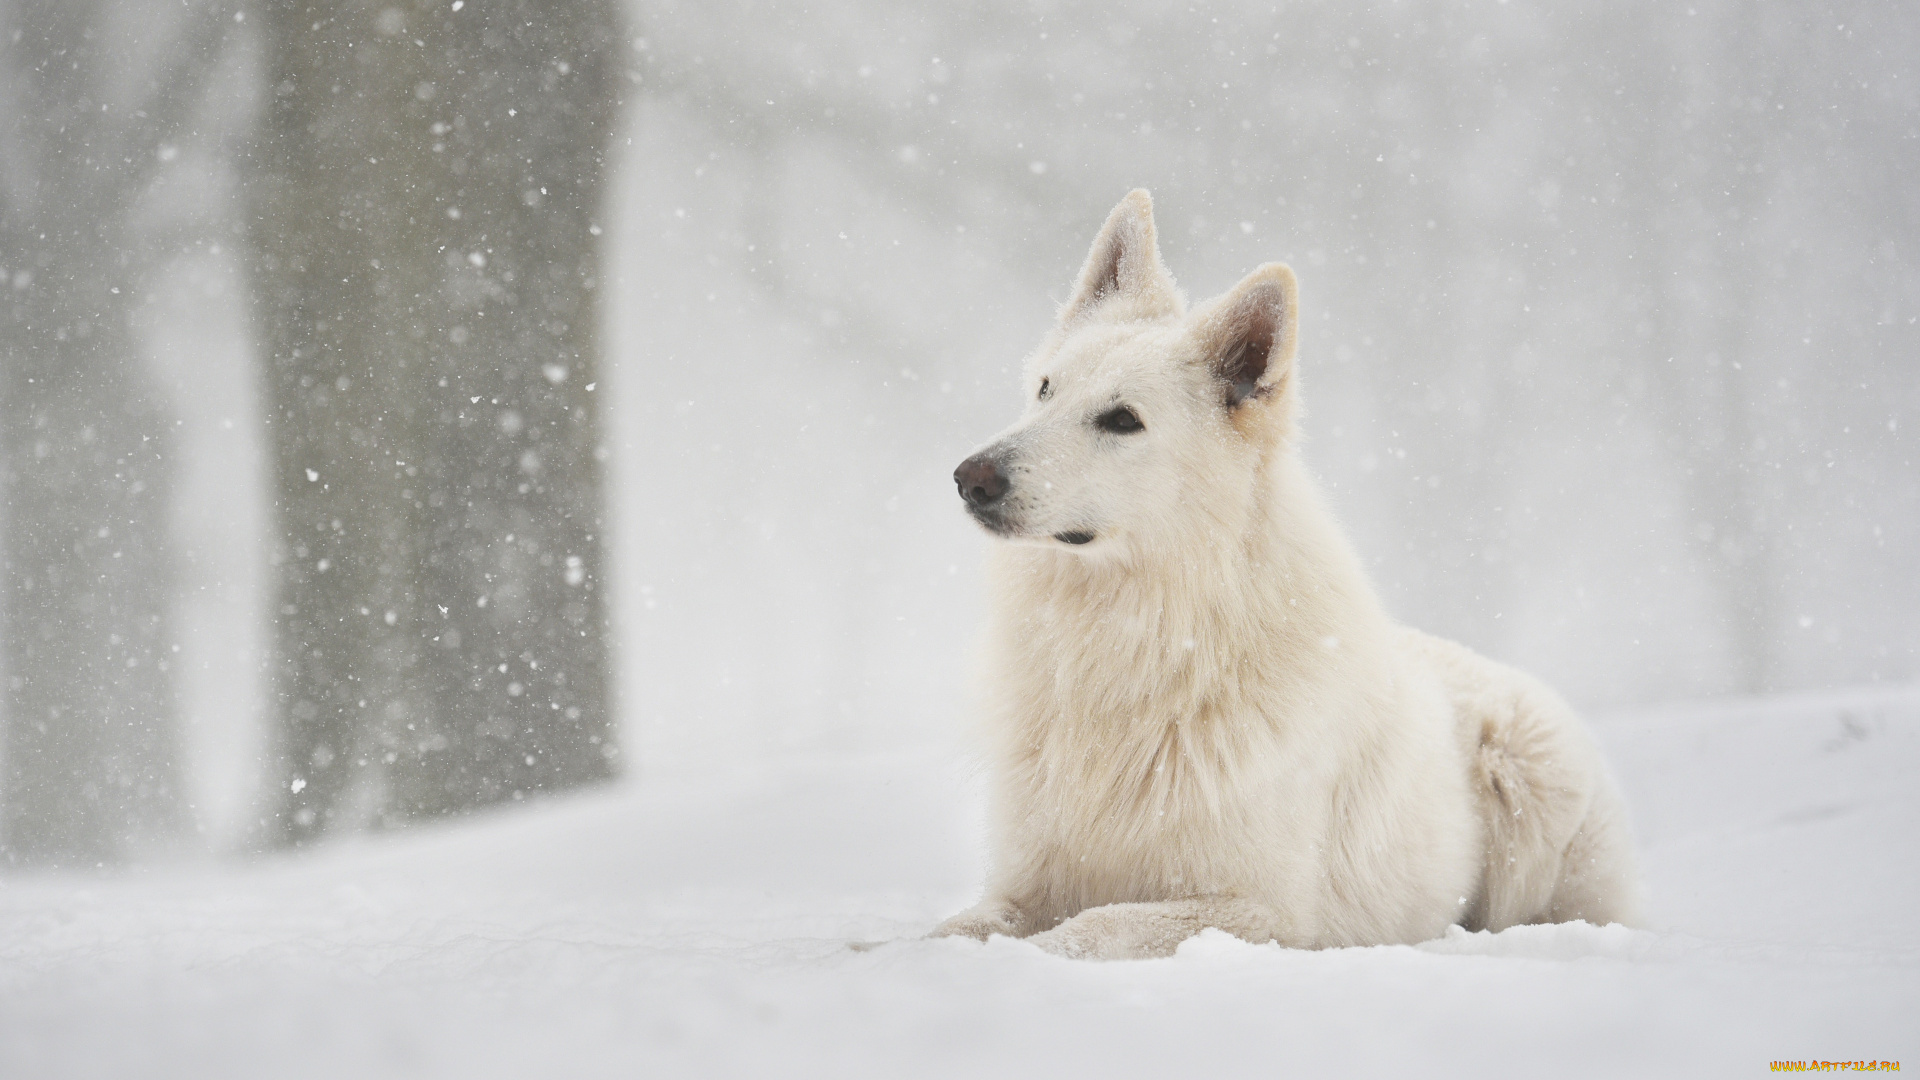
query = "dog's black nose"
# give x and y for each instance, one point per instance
(981, 481)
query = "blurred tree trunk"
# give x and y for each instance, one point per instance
(89, 705)
(423, 199)
(89, 710)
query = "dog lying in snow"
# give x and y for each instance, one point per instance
(1202, 715)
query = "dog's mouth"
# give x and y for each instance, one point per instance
(1007, 530)
(991, 522)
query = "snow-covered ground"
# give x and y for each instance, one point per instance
(692, 925)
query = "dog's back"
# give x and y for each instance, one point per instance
(1557, 847)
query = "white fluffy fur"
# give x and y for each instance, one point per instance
(1204, 717)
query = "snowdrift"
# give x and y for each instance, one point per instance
(700, 925)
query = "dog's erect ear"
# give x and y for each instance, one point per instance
(1250, 334)
(1124, 275)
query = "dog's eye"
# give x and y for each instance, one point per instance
(1046, 389)
(1120, 421)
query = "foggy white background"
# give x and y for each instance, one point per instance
(1608, 338)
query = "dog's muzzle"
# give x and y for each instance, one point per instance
(984, 485)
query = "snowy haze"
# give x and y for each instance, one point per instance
(1610, 349)
(1608, 336)
(1608, 339)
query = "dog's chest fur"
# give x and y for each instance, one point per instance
(1160, 727)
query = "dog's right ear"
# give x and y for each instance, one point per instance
(1249, 335)
(1124, 276)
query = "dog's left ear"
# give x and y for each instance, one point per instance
(1123, 275)
(1249, 335)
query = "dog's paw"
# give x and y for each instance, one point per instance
(1072, 942)
(1114, 932)
(982, 922)
(1078, 941)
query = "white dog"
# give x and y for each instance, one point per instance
(1202, 715)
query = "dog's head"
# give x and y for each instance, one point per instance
(1144, 420)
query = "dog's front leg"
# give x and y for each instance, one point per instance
(1138, 931)
(985, 919)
